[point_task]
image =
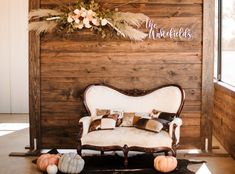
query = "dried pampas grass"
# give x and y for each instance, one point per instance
(39, 13)
(42, 26)
(132, 33)
(124, 23)
(133, 19)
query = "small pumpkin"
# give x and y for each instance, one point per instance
(52, 169)
(47, 159)
(71, 163)
(165, 163)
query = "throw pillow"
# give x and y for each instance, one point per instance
(103, 122)
(103, 112)
(129, 119)
(95, 125)
(109, 121)
(119, 112)
(143, 114)
(152, 125)
(164, 117)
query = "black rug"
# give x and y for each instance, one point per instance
(136, 165)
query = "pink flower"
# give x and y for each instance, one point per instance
(90, 12)
(87, 25)
(95, 21)
(86, 21)
(89, 17)
(80, 26)
(77, 21)
(75, 17)
(104, 22)
(77, 12)
(83, 12)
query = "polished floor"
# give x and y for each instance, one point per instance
(14, 136)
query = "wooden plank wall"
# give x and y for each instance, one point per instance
(207, 74)
(68, 65)
(224, 117)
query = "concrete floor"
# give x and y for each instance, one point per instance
(16, 141)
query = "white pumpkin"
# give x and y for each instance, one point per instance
(52, 169)
(71, 163)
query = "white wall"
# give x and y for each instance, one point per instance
(4, 58)
(13, 56)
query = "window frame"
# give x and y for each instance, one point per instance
(218, 75)
(219, 40)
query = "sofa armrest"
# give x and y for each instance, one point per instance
(86, 121)
(174, 128)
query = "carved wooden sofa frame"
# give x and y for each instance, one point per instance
(174, 126)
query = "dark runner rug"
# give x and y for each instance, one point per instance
(136, 165)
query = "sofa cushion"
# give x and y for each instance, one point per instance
(130, 136)
(103, 122)
(149, 124)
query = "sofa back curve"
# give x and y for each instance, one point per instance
(168, 98)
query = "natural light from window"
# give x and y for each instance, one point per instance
(7, 128)
(203, 170)
(228, 42)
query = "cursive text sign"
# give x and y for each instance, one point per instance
(172, 33)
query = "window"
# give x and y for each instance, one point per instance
(226, 42)
(216, 41)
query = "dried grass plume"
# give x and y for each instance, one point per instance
(133, 19)
(42, 26)
(39, 13)
(132, 33)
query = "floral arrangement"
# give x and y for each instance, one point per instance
(90, 15)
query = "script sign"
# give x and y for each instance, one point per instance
(156, 32)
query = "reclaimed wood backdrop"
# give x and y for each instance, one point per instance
(224, 117)
(61, 67)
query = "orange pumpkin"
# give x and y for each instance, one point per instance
(165, 163)
(47, 159)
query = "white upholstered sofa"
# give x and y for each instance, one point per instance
(168, 98)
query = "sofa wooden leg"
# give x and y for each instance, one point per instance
(125, 152)
(173, 151)
(79, 148)
(102, 152)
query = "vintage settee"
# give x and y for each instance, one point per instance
(169, 98)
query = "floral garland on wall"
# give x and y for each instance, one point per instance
(89, 15)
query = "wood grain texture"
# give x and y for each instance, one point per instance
(224, 118)
(147, 82)
(48, 2)
(120, 58)
(156, 9)
(72, 93)
(68, 64)
(207, 73)
(119, 47)
(34, 83)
